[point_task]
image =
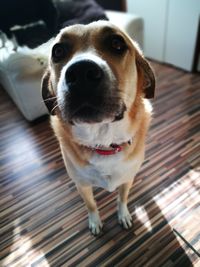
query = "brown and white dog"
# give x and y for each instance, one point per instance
(97, 84)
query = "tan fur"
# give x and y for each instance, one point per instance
(131, 72)
(78, 154)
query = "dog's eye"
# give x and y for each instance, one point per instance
(59, 52)
(118, 44)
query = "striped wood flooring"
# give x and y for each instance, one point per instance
(43, 221)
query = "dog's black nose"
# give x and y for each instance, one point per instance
(83, 76)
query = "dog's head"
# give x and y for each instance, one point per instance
(95, 74)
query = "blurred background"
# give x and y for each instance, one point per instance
(171, 30)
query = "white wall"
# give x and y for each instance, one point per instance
(182, 26)
(170, 29)
(154, 14)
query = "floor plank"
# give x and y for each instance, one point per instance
(44, 221)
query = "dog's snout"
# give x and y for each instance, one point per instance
(84, 74)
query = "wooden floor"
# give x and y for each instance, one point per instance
(44, 221)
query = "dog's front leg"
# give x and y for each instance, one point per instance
(95, 223)
(124, 216)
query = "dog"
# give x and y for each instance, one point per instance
(97, 88)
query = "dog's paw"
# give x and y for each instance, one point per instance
(124, 216)
(95, 224)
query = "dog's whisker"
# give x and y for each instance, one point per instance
(54, 108)
(50, 98)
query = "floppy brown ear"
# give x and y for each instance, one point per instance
(148, 76)
(48, 97)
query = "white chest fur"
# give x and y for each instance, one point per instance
(103, 134)
(107, 172)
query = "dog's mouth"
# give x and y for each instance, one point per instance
(88, 113)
